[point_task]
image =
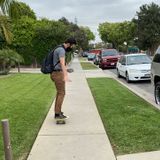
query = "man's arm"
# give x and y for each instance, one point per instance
(64, 69)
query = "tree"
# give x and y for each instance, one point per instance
(104, 31)
(33, 39)
(148, 27)
(48, 34)
(5, 30)
(8, 58)
(64, 21)
(9, 9)
(5, 6)
(19, 9)
(24, 32)
(89, 34)
(101, 45)
(82, 34)
(117, 33)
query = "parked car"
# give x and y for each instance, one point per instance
(91, 56)
(95, 51)
(134, 67)
(108, 58)
(85, 54)
(155, 75)
(96, 60)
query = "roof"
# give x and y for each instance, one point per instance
(135, 54)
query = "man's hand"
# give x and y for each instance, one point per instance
(66, 79)
(64, 69)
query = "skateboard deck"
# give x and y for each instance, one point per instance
(60, 121)
(70, 70)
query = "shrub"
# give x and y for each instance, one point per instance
(8, 58)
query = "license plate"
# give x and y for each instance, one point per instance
(112, 64)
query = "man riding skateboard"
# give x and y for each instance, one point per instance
(59, 75)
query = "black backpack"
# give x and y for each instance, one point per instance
(47, 64)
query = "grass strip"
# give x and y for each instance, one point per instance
(25, 100)
(81, 59)
(132, 124)
(88, 66)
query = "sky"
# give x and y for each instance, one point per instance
(88, 12)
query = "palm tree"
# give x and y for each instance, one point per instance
(5, 29)
(8, 10)
(9, 58)
(4, 5)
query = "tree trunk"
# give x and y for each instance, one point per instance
(153, 49)
(35, 60)
(19, 67)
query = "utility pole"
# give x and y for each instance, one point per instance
(75, 20)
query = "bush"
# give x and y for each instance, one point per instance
(8, 58)
(69, 57)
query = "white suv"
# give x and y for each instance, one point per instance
(155, 74)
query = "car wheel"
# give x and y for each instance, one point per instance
(157, 93)
(118, 74)
(101, 66)
(127, 77)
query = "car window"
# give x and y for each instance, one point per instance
(109, 53)
(138, 59)
(91, 55)
(157, 56)
(123, 60)
(120, 61)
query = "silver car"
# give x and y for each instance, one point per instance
(155, 75)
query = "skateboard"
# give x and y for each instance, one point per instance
(60, 121)
(70, 70)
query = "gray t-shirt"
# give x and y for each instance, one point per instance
(58, 53)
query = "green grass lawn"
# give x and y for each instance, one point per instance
(88, 66)
(81, 59)
(132, 124)
(25, 100)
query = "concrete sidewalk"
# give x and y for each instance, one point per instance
(83, 137)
